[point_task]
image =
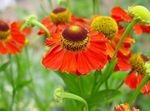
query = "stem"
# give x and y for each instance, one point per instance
(68, 4)
(32, 21)
(137, 91)
(75, 97)
(128, 29)
(13, 99)
(37, 23)
(94, 7)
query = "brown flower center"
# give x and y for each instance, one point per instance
(4, 30)
(59, 10)
(60, 15)
(75, 38)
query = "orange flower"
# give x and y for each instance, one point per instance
(134, 79)
(75, 50)
(121, 15)
(59, 19)
(109, 27)
(125, 107)
(11, 39)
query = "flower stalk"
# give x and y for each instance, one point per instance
(60, 94)
(137, 91)
(128, 29)
(32, 21)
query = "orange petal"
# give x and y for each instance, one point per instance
(53, 59)
(137, 29)
(131, 80)
(12, 47)
(3, 50)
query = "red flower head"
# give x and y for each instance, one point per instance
(133, 80)
(109, 27)
(76, 50)
(125, 107)
(59, 19)
(121, 15)
(11, 39)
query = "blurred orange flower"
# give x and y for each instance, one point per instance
(59, 19)
(121, 15)
(11, 39)
(125, 107)
(134, 79)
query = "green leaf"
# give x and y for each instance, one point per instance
(23, 84)
(108, 70)
(103, 96)
(120, 75)
(4, 66)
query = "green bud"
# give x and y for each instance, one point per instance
(141, 13)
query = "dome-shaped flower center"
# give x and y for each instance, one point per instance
(4, 30)
(105, 25)
(59, 10)
(60, 15)
(138, 61)
(75, 38)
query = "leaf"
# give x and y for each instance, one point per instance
(108, 70)
(23, 84)
(120, 75)
(103, 96)
(4, 66)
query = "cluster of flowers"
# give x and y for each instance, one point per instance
(78, 45)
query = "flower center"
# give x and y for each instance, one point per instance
(138, 61)
(75, 38)
(4, 30)
(60, 15)
(59, 10)
(105, 25)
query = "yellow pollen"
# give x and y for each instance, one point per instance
(4, 35)
(138, 63)
(75, 45)
(61, 17)
(105, 25)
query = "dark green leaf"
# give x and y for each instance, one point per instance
(23, 84)
(103, 96)
(4, 66)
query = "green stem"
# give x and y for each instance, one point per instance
(75, 97)
(37, 23)
(128, 29)
(13, 99)
(137, 91)
(68, 4)
(32, 21)
(94, 7)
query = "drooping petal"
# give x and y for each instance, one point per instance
(12, 47)
(131, 80)
(16, 34)
(137, 29)
(120, 15)
(2, 49)
(54, 58)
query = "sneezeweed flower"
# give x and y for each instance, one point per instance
(76, 50)
(133, 80)
(11, 39)
(134, 12)
(59, 19)
(125, 107)
(109, 27)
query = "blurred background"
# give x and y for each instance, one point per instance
(38, 95)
